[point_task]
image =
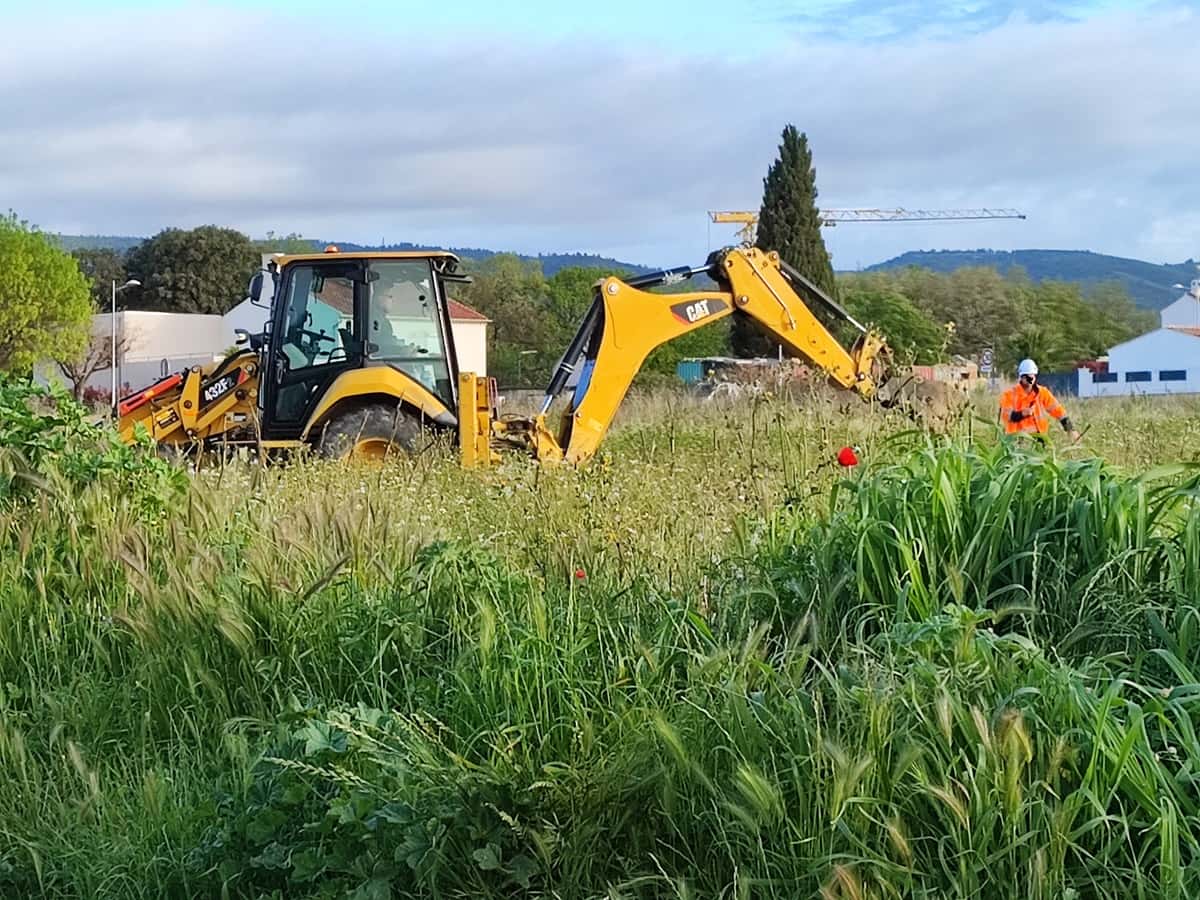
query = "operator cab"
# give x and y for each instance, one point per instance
(337, 312)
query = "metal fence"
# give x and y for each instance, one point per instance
(1065, 383)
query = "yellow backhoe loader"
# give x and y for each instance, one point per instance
(358, 358)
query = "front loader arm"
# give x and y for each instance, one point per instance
(626, 322)
(199, 403)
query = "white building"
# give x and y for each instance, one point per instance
(151, 345)
(1163, 361)
(469, 327)
(1184, 312)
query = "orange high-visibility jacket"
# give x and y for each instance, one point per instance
(1037, 405)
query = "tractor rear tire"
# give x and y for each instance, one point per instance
(374, 431)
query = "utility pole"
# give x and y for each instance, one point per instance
(520, 357)
(112, 340)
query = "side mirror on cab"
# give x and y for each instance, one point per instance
(255, 288)
(243, 338)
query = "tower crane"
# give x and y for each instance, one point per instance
(749, 220)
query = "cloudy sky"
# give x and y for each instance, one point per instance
(609, 127)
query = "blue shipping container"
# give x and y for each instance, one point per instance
(690, 371)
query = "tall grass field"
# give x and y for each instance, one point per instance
(712, 664)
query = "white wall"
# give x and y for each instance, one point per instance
(1153, 352)
(154, 335)
(148, 343)
(246, 316)
(1161, 349)
(155, 341)
(161, 343)
(470, 342)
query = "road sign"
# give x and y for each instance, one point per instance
(985, 362)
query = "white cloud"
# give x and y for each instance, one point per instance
(128, 123)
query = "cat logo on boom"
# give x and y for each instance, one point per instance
(698, 310)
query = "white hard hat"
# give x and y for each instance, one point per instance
(1027, 367)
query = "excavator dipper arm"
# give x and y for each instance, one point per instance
(626, 322)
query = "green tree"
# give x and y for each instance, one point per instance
(101, 266)
(790, 223)
(512, 293)
(569, 294)
(982, 307)
(1060, 328)
(1037, 341)
(1122, 318)
(912, 335)
(202, 270)
(1053, 322)
(45, 311)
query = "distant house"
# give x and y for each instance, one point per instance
(1163, 361)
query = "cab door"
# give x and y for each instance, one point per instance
(315, 337)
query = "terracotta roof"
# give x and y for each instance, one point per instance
(339, 294)
(464, 313)
(1186, 329)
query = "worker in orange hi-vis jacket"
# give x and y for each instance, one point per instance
(1026, 407)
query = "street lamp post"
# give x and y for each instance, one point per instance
(112, 340)
(520, 358)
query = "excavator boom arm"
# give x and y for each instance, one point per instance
(626, 322)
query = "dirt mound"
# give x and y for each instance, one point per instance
(934, 404)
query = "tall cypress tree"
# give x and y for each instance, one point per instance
(790, 223)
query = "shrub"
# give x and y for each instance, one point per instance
(1075, 552)
(47, 443)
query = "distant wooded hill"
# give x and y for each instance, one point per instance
(1148, 284)
(550, 262)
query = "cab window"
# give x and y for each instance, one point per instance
(403, 325)
(318, 326)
